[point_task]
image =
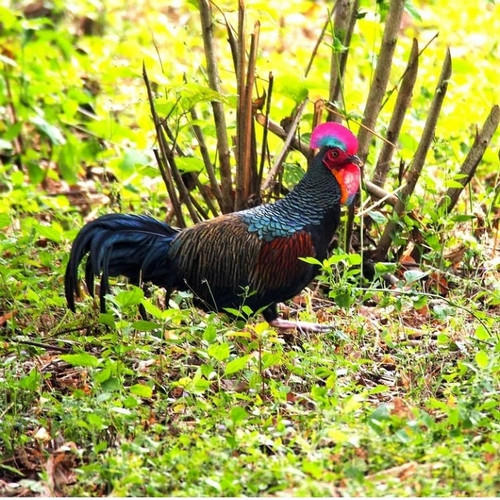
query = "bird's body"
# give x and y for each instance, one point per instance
(251, 257)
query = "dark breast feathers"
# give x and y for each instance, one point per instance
(226, 265)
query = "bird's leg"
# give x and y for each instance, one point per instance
(304, 326)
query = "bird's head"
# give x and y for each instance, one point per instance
(338, 147)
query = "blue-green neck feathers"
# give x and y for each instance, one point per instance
(313, 199)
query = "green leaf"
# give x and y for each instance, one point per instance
(414, 275)
(235, 365)
(131, 159)
(210, 333)
(35, 172)
(377, 217)
(130, 298)
(51, 131)
(412, 10)
(219, 351)
(80, 359)
(4, 220)
(271, 359)
(189, 164)
(481, 333)
(68, 161)
(52, 233)
(30, 381)
(145, 326)
(238, 414)
(142, 390)
(482, 359)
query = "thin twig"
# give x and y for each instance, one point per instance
(395, 87)
(266, 128)
(181, 187)
(286, 147)
(319, 40)
(43, 346)
(214, 185)
(279, 131)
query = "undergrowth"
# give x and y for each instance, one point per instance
(400, 397)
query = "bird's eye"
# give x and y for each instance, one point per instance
(334, 153)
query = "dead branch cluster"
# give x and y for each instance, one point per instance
(246, 185)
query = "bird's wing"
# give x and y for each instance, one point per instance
(219, 259)
(220, 252)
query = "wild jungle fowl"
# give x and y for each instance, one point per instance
(250, 257)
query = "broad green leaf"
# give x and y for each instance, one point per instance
(482, 359)
(30, 381)
(481, 333)
(145, 326)
(51, 131)
(130, 298)
(238, 414)
(414, 275)
(53, 232)
(142, 390)
(4, 220)
(235, 365)
(80, 359)
(189, 164)
(412, 10)
(132, 159)
(68, 161)
(219, 351)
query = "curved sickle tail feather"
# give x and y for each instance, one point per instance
(134, 246)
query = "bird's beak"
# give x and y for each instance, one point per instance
(356, 160)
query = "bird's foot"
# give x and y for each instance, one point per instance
(304, 326)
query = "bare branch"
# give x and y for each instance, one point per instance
(279, 131)
(266, 128)
(214, 185)
(381, 76)
(472, 160)
(345, 20)
(246, 168)
(419, 158)
(398, 114)
(165, 172)
(217, 107)
(319, 40)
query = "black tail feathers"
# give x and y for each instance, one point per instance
(135, 246)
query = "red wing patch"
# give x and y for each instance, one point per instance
(278, 265)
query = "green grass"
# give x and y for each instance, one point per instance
(400, 398)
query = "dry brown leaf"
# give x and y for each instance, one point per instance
(60, 469)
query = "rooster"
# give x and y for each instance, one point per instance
(251, 257)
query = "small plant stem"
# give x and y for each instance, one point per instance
(176, 176)
(319, 40)
(266, 129)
